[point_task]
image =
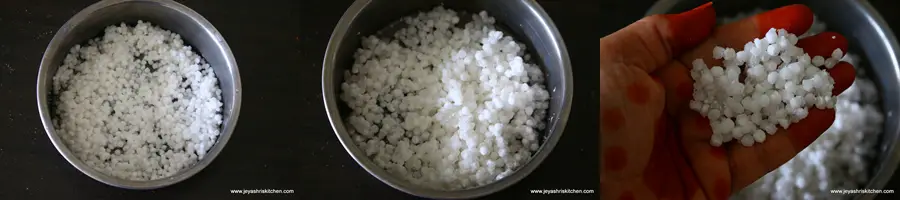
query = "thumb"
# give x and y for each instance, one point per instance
(661, 36)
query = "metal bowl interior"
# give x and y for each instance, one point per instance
(869, 37)
(170, 15)
(524, 19)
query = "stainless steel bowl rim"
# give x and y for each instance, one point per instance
(352, 148)
(885, 173)
(44, 77)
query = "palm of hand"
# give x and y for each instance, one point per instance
(644, 83)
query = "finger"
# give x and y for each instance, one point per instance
(796, 19)
(823, 45)
(709, 162)
(843, 74)
(667, 174)
(663, 175)
(750, 163)
(676, 81)
(627, 93)
(690, 28)
(809, 129)
(660, 37)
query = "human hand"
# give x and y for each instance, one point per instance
(645, 82)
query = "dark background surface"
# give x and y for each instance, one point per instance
(283, 139)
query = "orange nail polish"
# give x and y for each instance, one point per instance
(795, 19)
(692, 27)
(823, 44)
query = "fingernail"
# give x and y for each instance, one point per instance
(692, 27)
(823, 44)
(795, 19)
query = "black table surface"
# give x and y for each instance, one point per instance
(283, 139)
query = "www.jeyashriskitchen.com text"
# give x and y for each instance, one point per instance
(262, 191)
(562, 191)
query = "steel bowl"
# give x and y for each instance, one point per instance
(869, 37)
(170, 15)
(524, 19)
